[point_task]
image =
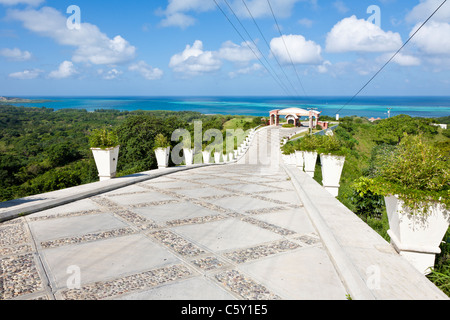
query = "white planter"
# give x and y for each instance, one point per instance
(417, 237)
(206, 157)
(231, 156)
(188, 156)
(310, 163)
(332, 167)
(292, 159)
(299, 160)
(217, 156)
(106, 161)
(162, 157)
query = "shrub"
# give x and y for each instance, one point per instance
(415, 171)
(103, 139)
(161, 141)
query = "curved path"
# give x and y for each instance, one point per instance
(255, 229)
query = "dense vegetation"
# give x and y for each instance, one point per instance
(43, 150)
(366, 144)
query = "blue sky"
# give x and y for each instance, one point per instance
(188, 47)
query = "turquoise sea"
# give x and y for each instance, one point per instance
(430, 107)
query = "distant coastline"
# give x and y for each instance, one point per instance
(376, 107)
(21, 100)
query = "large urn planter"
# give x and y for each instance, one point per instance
(217, 157)
(206, 157)
(106, 162)
(310, 163)
(332, 167)
(162, 157)
(300, 160)
(188, 156)
(417, 237)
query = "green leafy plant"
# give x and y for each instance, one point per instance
(415, 171)
(103, 139)
(309, 143)
(330, 145)
(161, 142)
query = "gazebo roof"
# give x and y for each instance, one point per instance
(296, 111)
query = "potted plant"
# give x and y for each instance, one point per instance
(309, 145)
(217, 157)
(414, 180)
(188, 153)
(162, 150)
(105, 148)
(206, 155)
(332, 159)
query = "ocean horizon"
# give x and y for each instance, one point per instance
(377, 107)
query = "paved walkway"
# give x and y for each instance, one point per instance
(237, 231)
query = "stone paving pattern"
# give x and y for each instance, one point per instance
(200, 226)
(236, 231)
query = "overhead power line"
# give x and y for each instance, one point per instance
(287, 50)
(270, 48)
(253, 41)
(392, 58)
(250, 47)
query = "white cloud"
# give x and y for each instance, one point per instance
(401, 59)
(15, 54)
(16, 2)
(323, 68)
(351, 34)
(306, 22)
(112, 74)
(251, 69)
(146, 71)
(179, 12)
(26, 74)
(175, 13)
(65, 70)
(340, 6)
(92, 46)
(425, 8)
(433, 38)
(300, 50)
(195, 61)
(260, 8)
(243, 53)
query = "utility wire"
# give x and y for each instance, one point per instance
(250, 47)
(287, 50)
(254, 43)
(392, 58)
(268, 45)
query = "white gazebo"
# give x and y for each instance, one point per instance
(293, 116)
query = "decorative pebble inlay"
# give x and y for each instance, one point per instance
(177, 243)
(268, 226)
(18, 276)
(309, 240)
(7, 251)
(109, 289)
(208, 263)
(12, 234)
(197, 220)
(258, 252)
(245, 287)
(87, 238)
(64, 215)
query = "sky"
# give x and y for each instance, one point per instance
(223, 48)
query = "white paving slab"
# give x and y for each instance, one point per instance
(198, 288)
(226, 235)
(299, 275)
(102, 260)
